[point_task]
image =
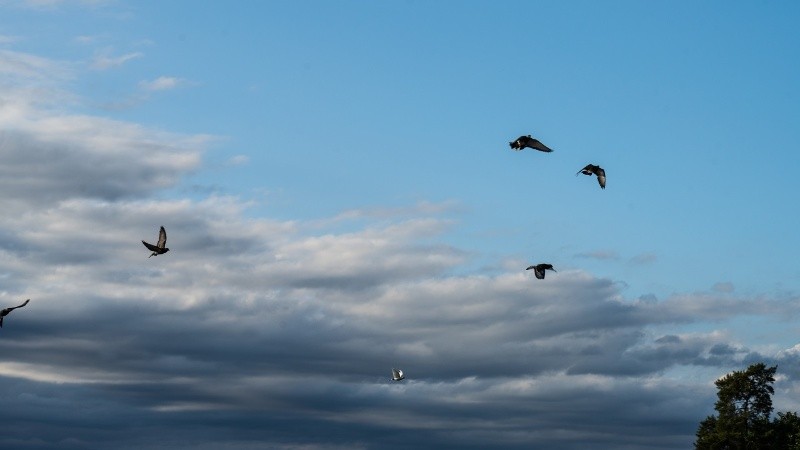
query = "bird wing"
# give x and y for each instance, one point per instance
(601, 177)
(397, 374)
(150, 247)
(162, 238)
(586, 169)
(539, 272)
(23, 304)
(537, 145)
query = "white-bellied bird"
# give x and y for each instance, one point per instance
(397, 375)
(529, 142)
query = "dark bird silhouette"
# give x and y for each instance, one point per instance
(5, 311)
(591, 169)
(397, 375)
(529, 142)
(539, 269)
(159, 248)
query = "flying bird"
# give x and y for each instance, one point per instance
(539, 269)
(591, 169)
(5, 311)
(397, 375)
(159, 248)
(528, 141)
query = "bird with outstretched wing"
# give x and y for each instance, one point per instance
(160, 247)
(598, 171)
(4, 312)
(539, 269)
(529, 142)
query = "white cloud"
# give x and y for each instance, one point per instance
(104, 59)
(54, 4)
(162, 83)
(24, 67)
(238, 160)
(85, 39)
(6, 39)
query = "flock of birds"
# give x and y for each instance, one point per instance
(523, 142)
(520, 143)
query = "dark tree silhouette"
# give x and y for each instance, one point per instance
(744, 405)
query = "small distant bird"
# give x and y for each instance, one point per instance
(397, 375)
(5, 311)
(591, 169)
(159, 248)
(528, 141)
(539, 269)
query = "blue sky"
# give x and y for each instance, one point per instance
(341, 171)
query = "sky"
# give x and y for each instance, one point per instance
(340, 198)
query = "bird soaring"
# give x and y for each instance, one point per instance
(591, 169)
(397, 375)
(5, 311)
(159, 248)
(539, 269)
(528, 141)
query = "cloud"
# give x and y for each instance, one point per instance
(238, 160)
(6, 39)
(644, 258)
(603, 255)
(104, 60)
(162, 83)
(724, 287)
(55, 4)
(85, 39)
(25, 68)
(47, 159)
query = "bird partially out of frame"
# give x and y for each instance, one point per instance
(5, 311)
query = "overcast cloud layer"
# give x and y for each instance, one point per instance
(261, 333)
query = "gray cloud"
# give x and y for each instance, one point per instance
(643, 258)
(724, 287)
(59, 158)
(603, 255)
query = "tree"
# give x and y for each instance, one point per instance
(744, 405)
(787, 431)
